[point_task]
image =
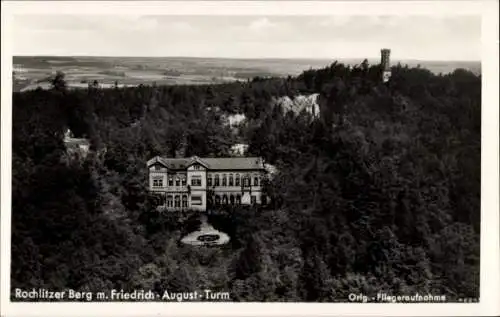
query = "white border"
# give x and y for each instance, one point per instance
(490, 278)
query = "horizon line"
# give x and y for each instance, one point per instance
(254, 58)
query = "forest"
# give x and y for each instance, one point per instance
(380, 194)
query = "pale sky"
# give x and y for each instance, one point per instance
(409, 37)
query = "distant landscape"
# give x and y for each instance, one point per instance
(30, 72)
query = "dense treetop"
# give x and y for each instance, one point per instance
(381, 193)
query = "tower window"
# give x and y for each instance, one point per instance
(196, 181)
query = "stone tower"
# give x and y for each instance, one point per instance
(385, 64)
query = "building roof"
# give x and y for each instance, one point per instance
(222, 163)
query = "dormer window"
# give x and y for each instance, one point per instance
(157, 167)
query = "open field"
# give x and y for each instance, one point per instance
(32, 72)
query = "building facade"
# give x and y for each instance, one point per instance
(197, 183)
(76, 147)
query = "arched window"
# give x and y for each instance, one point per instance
(246, 181)
(224, 199)
(184, 201)
(256, 181)
(170, 201)
(237, 180)
(231, 180)
(231, 199)
(217, 199)
(238, 199)
(177, 201)
(224, 180)
(216, 180)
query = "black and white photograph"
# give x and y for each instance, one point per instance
(169, 156)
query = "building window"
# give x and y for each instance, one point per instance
(177, 201)
(246, 181)
(183, 181)
(196, 201)
(230, 179)
(197, 167)
(177, 182)
(238, 199)
(157, 167)
(209, 181)
(224, 199)
(184, 201)
(170, 182)
(255, 181)
(217, 199)
(170, 201)
(216, 179)
(157, 182)
(253, 199)
(237, 180)
(231, 199)
(196, 181)
(224, 180)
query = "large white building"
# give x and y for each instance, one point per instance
(195, 183)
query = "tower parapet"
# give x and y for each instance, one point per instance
(385, 64)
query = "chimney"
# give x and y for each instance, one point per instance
(385, 64)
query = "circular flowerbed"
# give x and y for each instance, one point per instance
(207, 235)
